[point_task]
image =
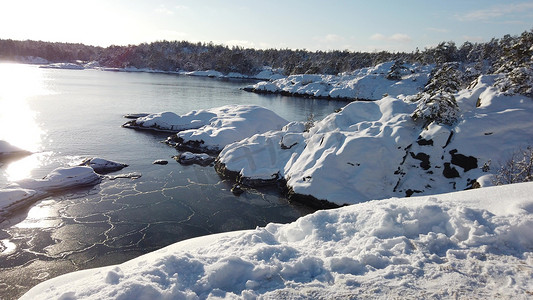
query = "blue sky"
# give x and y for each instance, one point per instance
(312, 25)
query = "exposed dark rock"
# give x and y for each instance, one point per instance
(424, 159)
(424, 142)
(310, 200)
(466, 162)
(448, 140)
(472, 184)
(193, 146)
(160, 162)
(410, 192)
(135, 116)
(449, 171)
(236, 189)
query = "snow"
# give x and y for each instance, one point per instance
(187, 158)
(367, 83)
(69, 66)
(231, 124)
(213, 128)
(60, 179)
(469, 244)
(101, 165)
(373, 149)
(6, 149)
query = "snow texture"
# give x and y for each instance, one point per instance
(470, 244)
(365, 84)
(374, 150)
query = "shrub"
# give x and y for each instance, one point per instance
(518, 168)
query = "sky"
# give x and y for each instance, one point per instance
(313, 25)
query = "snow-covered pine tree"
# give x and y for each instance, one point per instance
(440, 107)
(437, 102)
(396, 70)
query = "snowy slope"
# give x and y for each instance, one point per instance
(373, 150)
(471, 244)
(367, 83)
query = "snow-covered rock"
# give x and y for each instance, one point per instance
(231, 124)
(212, 129)
(10, 197)
(60, 179)
(373, 150)
(189, 158)
(472, 244)
(267, 73)
(7, 150)
(19, 193)
(364, 84)
(68, 66)
(101, 165)
(207, 73)
(171, 122)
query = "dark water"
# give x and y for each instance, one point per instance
(66, 115)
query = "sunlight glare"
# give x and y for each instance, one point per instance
(17, 120)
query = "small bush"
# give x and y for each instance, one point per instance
(518, 168)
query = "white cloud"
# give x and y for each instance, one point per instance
(496, 12)
(397, 37)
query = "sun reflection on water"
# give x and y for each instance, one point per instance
(41, 215)
(18, 124)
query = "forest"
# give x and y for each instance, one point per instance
(497, 55)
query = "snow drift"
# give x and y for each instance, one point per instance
(470, 244)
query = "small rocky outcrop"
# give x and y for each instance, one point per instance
(189, 158)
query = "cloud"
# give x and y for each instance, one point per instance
(397, 37)
(495, 12)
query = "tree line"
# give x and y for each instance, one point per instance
(497, 54)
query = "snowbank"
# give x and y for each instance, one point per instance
(472, 244)
(365, 84)
(373, 150)
(212, 129)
